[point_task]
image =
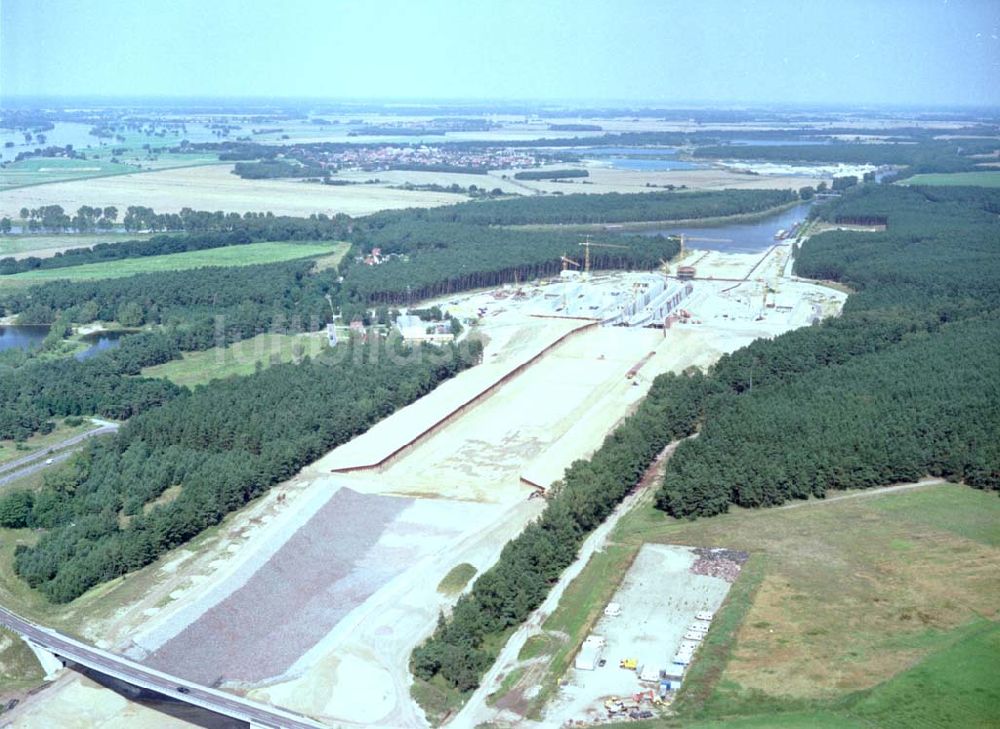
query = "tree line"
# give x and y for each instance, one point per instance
(217, 448)
(906, 383)
(581, 208)
(440, 258)
(464, 646)
(550, 174)
(204, 230)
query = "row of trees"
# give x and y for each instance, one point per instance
(550, 174)
(905, 383)
(206, 230)
(612, 207)
(219, 447)
(464, 646)
(441, 258)
(269, 169)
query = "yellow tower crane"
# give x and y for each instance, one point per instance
(568, 262)
(587, 244)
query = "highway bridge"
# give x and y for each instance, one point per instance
(70, 650)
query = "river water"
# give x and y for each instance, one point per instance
(742, 237)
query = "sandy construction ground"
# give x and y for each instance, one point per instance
(484, 453)
(511, 346)
(76, 702)
(313, 596)
(214, 187)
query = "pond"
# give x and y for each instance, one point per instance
(100, 342)
(21, 337)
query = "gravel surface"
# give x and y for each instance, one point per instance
(317, 577)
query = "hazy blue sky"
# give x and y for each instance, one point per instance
(667, 51)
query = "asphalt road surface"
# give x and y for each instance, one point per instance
(138, 675)
(38, 460)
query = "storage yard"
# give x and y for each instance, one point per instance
(638, 653)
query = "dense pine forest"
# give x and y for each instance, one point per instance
(905, 384)
(611, 207)
(439, 258)
(241, 293)
(217, 448)
(464, 646)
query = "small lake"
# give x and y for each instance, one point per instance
(651, 165)
(778, 142)
(642, 159)
(100, 342)
(597, 152)
(752, 237)
(19, 337)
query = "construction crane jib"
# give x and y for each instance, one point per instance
(587, 244)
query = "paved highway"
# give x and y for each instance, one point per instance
(143, 677)
(38, 460)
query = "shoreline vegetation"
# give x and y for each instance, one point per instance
(636, 225)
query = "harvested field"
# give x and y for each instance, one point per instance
(46, 170)
(422, 177)
(46, 246)
(213, 187)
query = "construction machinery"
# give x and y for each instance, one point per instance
(587, 245)
(647, 695)
(629, 664)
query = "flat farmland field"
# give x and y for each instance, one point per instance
(45, 170)
(243, 255)
(214, 187)
(46, 246)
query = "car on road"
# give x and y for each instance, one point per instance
(49, 461)
(184, 689)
